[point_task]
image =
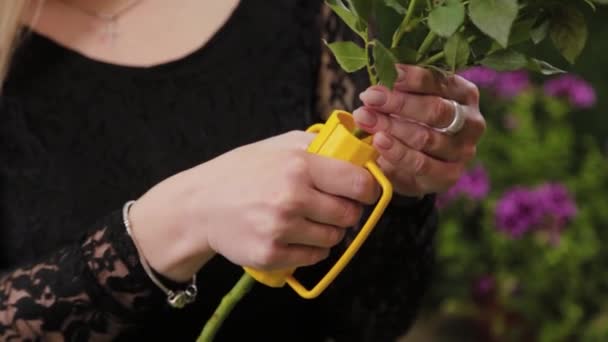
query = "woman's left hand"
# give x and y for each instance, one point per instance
(406, 123)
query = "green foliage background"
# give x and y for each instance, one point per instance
(544, 292)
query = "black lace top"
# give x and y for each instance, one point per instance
(80, 137)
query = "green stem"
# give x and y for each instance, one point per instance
(372, 78)
(434, 58)
(426, 44)
(404, 24)
(226, 305)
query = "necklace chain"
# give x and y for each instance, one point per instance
(109, 18)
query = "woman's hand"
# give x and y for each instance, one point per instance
(267, 205)
(415, 155)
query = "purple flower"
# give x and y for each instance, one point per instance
(579, 92)
(518, 211)
(483, 77)
(512, 83)
(474, 184)
(548, 206)
(556, 202)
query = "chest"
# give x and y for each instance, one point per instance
(83, 137)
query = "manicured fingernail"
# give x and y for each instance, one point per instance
(365, 118)
(400, 74)
(383, 141)
(373, 97)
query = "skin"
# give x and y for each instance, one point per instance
(289, 207)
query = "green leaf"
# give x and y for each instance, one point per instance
(445, 20)
(569, 32)
(520, 32)
(540, 32)
(348, 17)
(385, 65)
(387, 21)
(362, 8)
(543, 67)
(398, 5)
(350, 56)
(405, 54)
(457, 51)
(505, 60)
(494, 17)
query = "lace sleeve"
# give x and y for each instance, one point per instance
(90, 291)
(377, 297)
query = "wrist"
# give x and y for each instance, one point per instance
(167, 240)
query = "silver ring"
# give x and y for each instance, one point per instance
(456, 125)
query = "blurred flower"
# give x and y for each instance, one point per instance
(521, 210)
(512, 83)
(474, 184)
(485, 285)
(484, 288)
(505, 84)
(483, 77)
(556, 202)
(518, 211)
(579, 92)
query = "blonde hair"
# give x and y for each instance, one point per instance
(11, 12)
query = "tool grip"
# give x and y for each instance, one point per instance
(335, 139)
(351, 250)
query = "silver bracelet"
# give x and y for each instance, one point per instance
(177, 299)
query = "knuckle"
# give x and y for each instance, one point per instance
(481, 122)
(397, 153)
(296, 167)
(316, 255)
(414, 78)
(362, 185)
(345, 214)
(424, 141)
(266, 256)
(473, 94)
(469, 152)
(421, 164)
(398, 103)
(334, 236)
(288, 202)
(440, 116)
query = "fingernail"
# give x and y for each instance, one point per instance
(373, 97)
(400, 74)
(365, 118)
(383, 141)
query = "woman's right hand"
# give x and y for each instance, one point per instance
(267, 205)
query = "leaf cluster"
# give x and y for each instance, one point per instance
(449, 35)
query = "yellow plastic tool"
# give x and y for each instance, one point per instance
(335, 139)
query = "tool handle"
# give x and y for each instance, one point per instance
(351, 250)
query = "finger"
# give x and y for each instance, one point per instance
(313, 234)
(415, 79)
(431, 174)
(340, 178)
(332, 210)
(420, 138)
(431, 111)
(404, 184)
(282, 256)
